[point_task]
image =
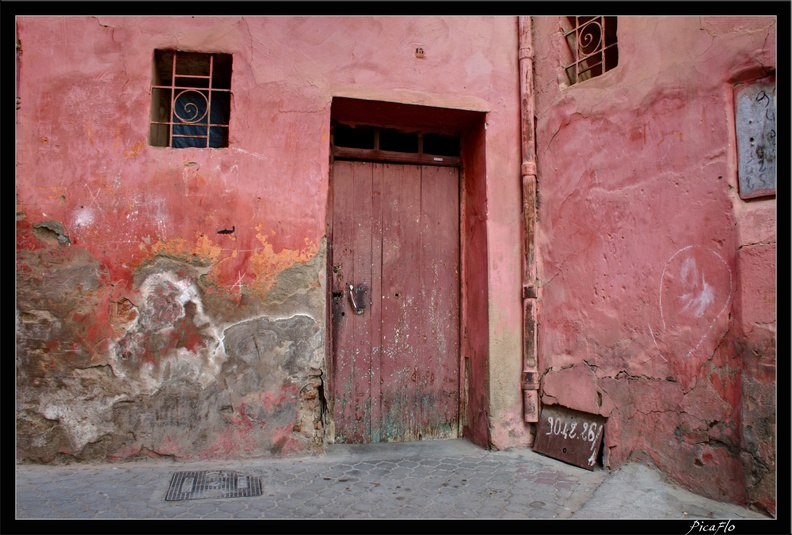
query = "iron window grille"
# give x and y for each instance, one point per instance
(190, 99)
(389, 144)
(592, 43)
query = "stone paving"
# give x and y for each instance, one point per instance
(423, 480)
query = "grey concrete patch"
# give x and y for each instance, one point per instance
(638, 492)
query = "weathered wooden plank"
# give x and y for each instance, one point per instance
(401, 295)
(341, 260)
(439, 366)
(349, 263)
(396, 157)
(361, 218)
(376, 301)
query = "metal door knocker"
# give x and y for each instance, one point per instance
(356, 297)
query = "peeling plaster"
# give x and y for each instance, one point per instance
(82, 420)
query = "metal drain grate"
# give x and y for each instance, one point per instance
(212, 484)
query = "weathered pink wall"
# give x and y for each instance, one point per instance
(657, 301)
(142, 331)
(145, 332)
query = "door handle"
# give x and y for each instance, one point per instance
(359, 292)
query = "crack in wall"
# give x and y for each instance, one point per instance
(621, 374)
(754, 244)
(770, 31)
(733, 449)
(102, 367)
(243, 21)
(656, 411)
(563, 262)
(551, 369)
(566, 122)
(712, 43)
(720, 342)
(100, 23)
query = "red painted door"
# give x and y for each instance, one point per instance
(396, 330)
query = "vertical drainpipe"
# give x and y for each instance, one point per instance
(530, 374)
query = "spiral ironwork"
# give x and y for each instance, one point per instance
(590, 38)
(190, 106)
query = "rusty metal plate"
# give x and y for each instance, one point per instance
(212, 484)
(569, 435)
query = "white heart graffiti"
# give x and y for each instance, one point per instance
(697, 290)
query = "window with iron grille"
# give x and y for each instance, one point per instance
(593, 47)
(190, 99)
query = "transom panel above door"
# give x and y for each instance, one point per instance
(395, 301)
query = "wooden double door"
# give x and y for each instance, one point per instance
(395, 302)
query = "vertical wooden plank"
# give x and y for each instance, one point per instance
(439, 401)
(361, 218)
(400, 300)
(351, 265)
(376, 301)
(342, 333)
(390, 362)
(411, 302)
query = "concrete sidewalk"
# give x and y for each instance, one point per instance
(443, 479)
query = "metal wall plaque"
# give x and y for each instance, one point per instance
(755, 121)
(569, 435)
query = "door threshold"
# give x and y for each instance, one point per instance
(439, 447)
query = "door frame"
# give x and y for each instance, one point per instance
(470, 127)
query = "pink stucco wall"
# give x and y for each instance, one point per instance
(149, 316)
(651, 287)
(139, 326)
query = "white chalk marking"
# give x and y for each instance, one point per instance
(239, 282)
(703, 300)
(655, 342)
(94, 197)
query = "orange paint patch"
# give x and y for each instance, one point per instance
(55, 193)
(255, 272)
(89, 132)
(234, 270)
(135, 150)
(266, 263)
(203, 248)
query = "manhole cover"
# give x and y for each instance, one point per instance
(212, 484)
